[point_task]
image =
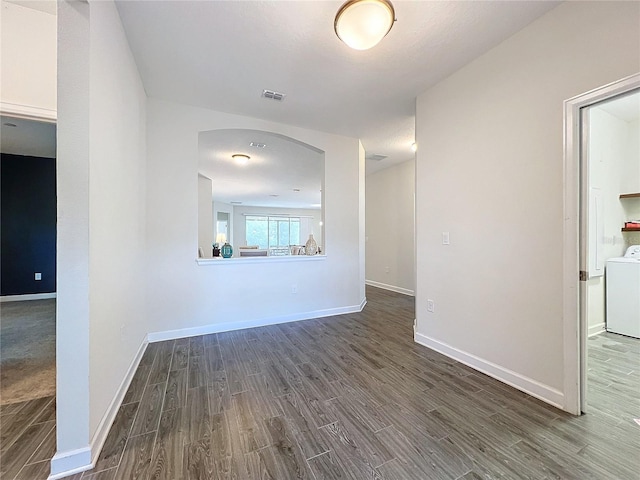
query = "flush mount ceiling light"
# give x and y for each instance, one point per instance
(361, 24)
(414, 147)
(241, 158)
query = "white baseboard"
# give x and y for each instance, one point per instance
(528, 385)
(393, 288)
(104, 426)
(261, 322)
(68, 463)
(596, 329)
(29, 296)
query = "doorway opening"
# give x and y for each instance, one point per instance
(28, 259)
(602, 198)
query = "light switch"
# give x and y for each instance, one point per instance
(445, 238)
(38, 276)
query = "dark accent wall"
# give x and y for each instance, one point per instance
(27, 224)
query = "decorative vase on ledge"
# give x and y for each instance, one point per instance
(311, 247)
(226, 250)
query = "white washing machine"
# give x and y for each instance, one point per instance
(623, 293)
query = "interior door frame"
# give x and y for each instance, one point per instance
(574, 260)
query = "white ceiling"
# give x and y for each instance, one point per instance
(36, 139)
(222, 54)
(626, 107)
(270, 177)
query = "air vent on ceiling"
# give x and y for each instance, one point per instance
(375, 157)
(270, 94)
(257, 145)
(236, 203)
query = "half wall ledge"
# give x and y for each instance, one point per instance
(267, 260)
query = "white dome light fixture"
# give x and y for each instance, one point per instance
(241, 159)
(361, 24)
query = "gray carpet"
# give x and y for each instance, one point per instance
(27, 350)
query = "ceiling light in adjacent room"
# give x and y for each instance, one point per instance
(414, 147)
(241, 158)
(361, 24)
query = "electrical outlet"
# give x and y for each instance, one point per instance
(431, 306)
(445, 238)
(38, 276)
(294, 289)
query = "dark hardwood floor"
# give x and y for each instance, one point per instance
(347, 397)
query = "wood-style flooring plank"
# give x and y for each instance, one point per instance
(198, 415)
(136, 457)
(149, 409)
(198, 460)
(196, 346)
(218, 390)
(289, 458)
(180, 358)
(309, 438)
(167, 460)
(250, 422)
(16, 456)
(102, 475)
(327, 466)
(35, 471)
(137, 385)
(176, 393)
(14, 425)
(198, 372)
(47, 448)
(162, 362)
(117, 439)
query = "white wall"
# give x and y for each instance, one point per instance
(632, 156)
(179, 290)
(101, 199)
(28, 52)
(390, 254)
(631, 207)
(72, 243)
(240, 231)
(613, 169)
(118, 208)
(490, 172)
(223, 208)
(205, 216)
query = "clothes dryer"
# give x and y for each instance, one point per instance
(623, 293)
